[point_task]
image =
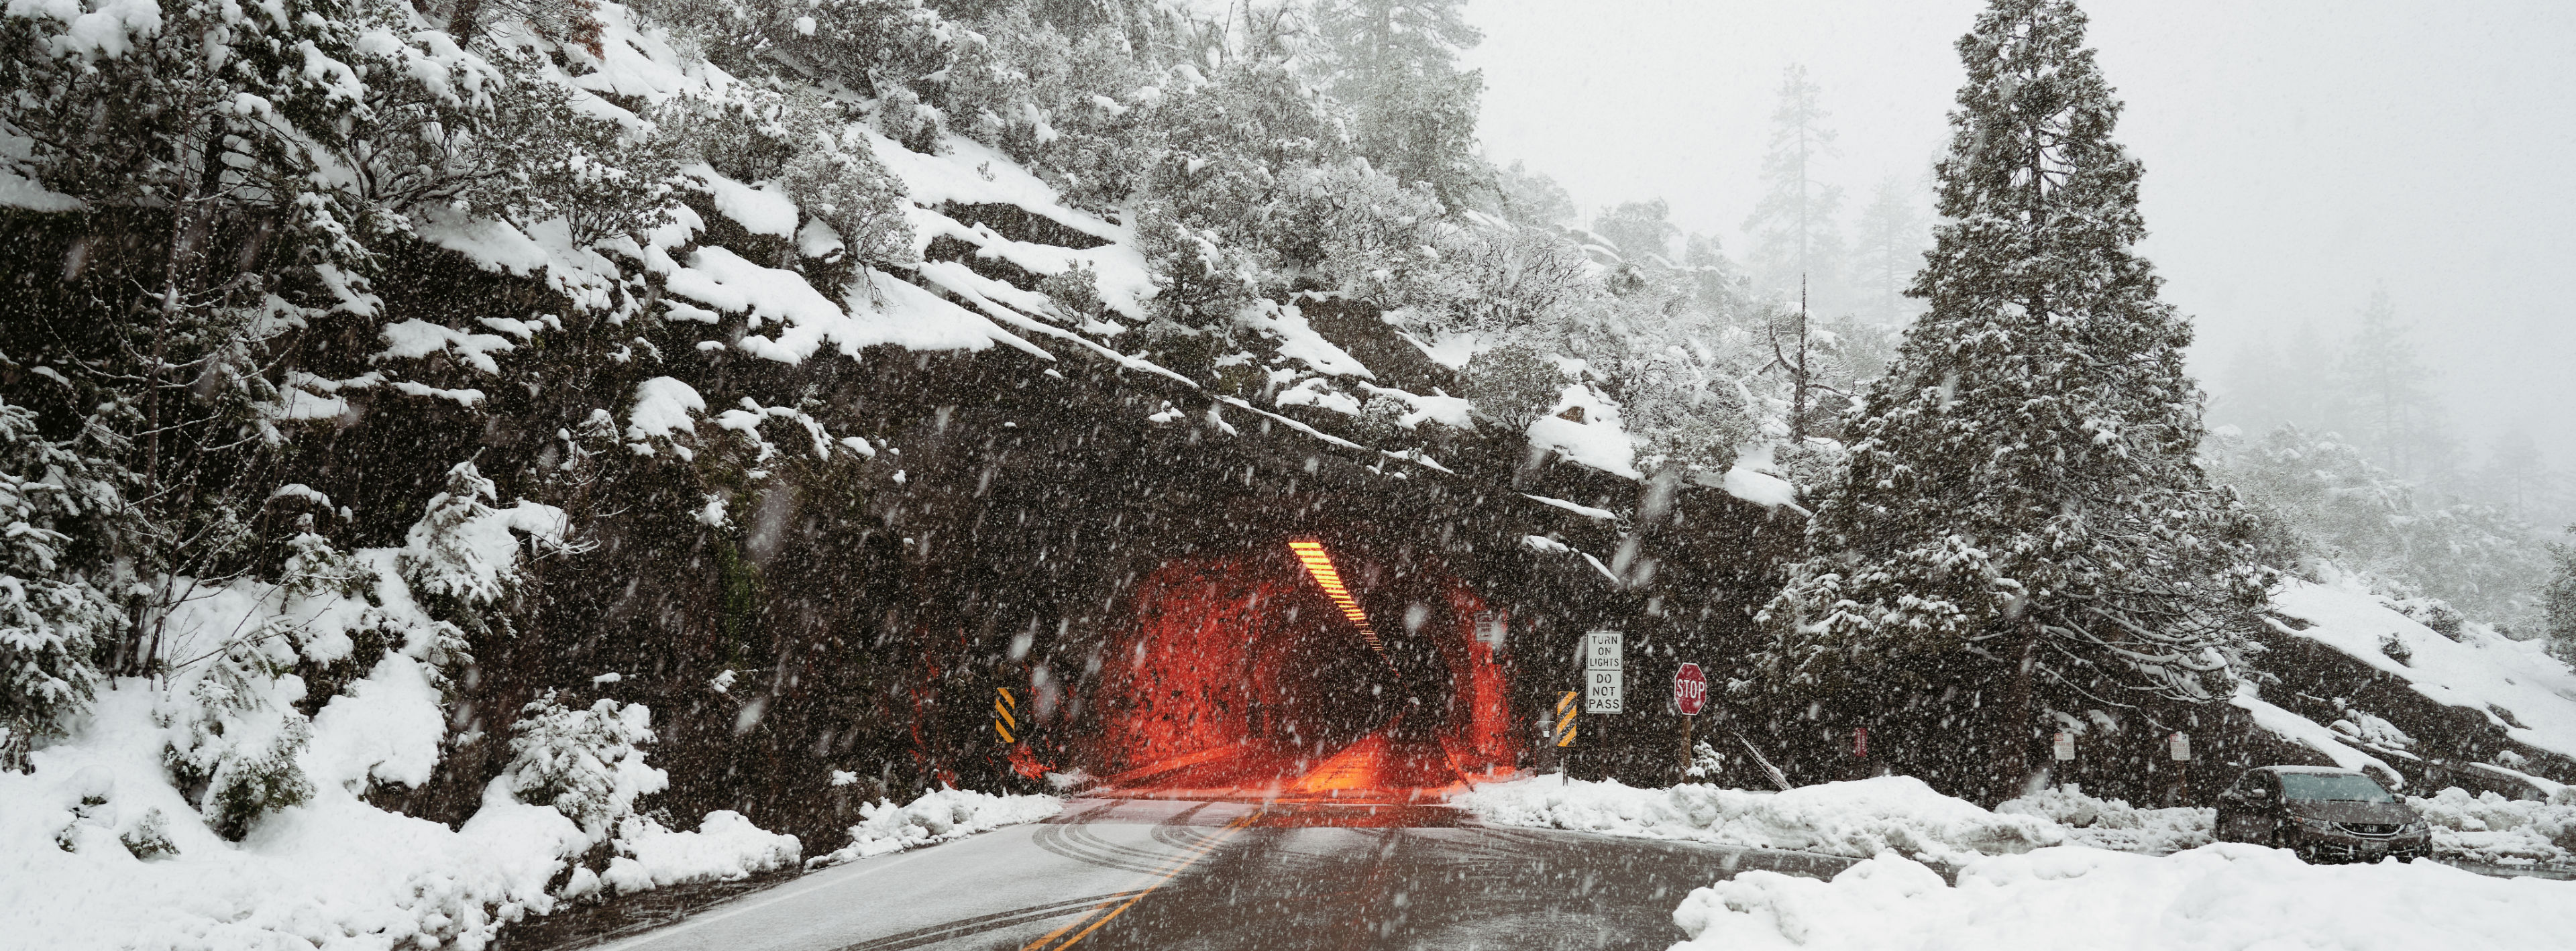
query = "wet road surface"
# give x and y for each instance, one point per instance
(1181, 874)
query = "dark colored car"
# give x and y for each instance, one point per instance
(2323, 814)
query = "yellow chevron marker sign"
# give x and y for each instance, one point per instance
(1004, 722)
(1565, 711)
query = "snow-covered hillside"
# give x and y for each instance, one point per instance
(2507, 708)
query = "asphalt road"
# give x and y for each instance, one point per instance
(1177, 874)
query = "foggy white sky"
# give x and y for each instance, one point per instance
(2298, 152)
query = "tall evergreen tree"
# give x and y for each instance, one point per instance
(1887, 252)
(1795, 240)
(1396, 63)
(2389, 408)
(2021, 509)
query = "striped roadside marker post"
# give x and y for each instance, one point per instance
(1004, 723)
(1565, 711)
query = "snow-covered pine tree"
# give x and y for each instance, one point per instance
(2021, 507)
(62, 515)
(586, 763)
(2558, 602)
(1795, 240)
(1414, 112)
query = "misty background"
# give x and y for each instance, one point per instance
(2300, 156)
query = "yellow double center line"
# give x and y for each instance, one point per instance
(1159, 878)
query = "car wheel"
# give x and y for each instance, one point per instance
(2283, 839)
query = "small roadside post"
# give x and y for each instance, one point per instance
(2180, 746)
(1565, 712)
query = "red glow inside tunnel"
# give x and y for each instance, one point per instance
(1242, 671)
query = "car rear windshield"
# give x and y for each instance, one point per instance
(2340, 787)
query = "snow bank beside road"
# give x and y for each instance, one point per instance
(97, 850)
(938, 816)
(1857, 819)
(2114, 824)
(2224, 896)
(2491, 828)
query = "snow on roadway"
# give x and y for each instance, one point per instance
(2224, 896)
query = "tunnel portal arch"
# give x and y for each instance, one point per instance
(1236, 668)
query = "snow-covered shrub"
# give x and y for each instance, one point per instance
(1200, 280)
(1226, 143)
(444, 558)
(231, 742)
(591, 172)
(462, 559)
(1513, 385)
(871, 46)
(1706, 762)
(1686, 412)
(1508, 279)
(52, 612)
(150, 837)
(839, 182)
(1075, 291)
(586, 763)
(1353, 229)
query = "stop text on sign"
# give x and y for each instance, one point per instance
(1690, 690)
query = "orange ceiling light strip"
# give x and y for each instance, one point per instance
(1319, 564)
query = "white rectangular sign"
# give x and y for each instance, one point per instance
(2065, 746)
(2181, 747)
(1601, 692)
(1601, 650)
(1491, 626)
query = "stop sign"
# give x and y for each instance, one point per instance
(1690, 690)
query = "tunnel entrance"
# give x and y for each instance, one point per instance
(1305, 666)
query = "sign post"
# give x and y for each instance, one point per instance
(1602, 690)
(1690, 695)
(2064, 747)
(2180, 746)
